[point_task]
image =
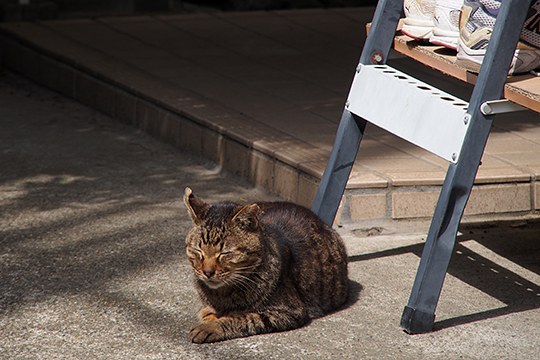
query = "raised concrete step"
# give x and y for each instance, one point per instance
(261, 94)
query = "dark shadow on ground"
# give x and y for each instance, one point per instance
(88, 205)
(518, 244)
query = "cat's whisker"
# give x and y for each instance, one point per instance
(239, 283)
(244, 279)
(248, 272)
(248, 283)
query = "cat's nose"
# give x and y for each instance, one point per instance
(209, 272)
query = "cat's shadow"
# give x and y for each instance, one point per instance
(355, 288)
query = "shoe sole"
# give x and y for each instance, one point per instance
(418, 29)
(447, 39)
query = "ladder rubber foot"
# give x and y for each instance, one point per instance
(417, 322)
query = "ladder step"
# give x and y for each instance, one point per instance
(411, 109)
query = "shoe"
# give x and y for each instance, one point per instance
(476, 25)
(418, 22)
(531, 27)
(446, 23)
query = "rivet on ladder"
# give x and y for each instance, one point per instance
(466, 118)
(377, 57)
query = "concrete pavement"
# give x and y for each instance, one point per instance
(92, 263)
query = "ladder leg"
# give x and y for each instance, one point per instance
(348, 137)
(419, 314)
(351, 127)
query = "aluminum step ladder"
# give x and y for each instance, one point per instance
(446, 126)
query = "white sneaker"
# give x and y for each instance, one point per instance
(476, 25)
(418, 22)
(446, 23)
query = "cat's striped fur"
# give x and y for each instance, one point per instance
(262, 267)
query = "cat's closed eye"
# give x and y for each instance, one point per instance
(226, 255)
(233, 257)
(194, 254)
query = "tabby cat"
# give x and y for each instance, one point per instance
(263, 267)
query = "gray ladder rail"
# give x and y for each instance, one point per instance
(419, 314)
(351, 127)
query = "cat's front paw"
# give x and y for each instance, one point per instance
(207, 332)
(208, 313)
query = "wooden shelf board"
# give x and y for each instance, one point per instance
(521, 89)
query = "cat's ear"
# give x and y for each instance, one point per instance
(247, 217)
(196, 207)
